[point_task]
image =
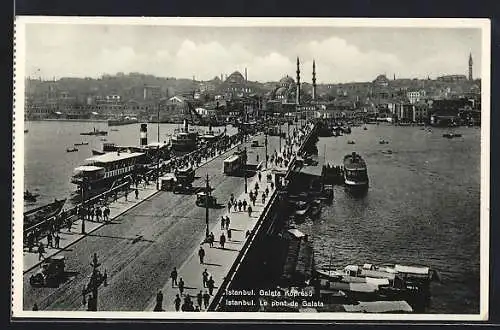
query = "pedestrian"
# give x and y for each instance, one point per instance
(209, 241)
(272, 185)
(240, 204)
(201, 254)
(177, 302)
(229, 234)
(249, 211)
(173, 276)
(181, 286)
(57, 239)
(222, 222)
(229, 207)
(98, 213)
(244, 205)
(199, 298)
(222, 240)
(228, 222)
(263, 198)
(211, 285)
(253, 200)
(106, 213)
(41, 251)
(267, 191)
(250, 195)
(204, 277)
(49, 240)
(260, 176)
(126, 194)
(69, 224)
(35, 307)
(232, 198)
(235, 207)
(206, 299)
(136, 193)
(159, 302)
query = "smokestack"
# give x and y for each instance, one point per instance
(144, 134)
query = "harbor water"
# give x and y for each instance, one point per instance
(422, 207)
(47, 165)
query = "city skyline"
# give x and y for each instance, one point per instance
(342, 54)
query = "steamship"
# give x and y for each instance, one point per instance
(355, 171)
(184, 139)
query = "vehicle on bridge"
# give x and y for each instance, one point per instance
(203, 197)
(235, 163)
(51, 272)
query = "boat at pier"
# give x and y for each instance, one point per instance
(101, 171)
(355, 171)
(95, 132)
(122, 121)
(184, 139)
(39, 214)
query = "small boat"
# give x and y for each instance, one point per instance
(449, 135)
(457, 135)
(26, 131)
(387, 152)
(30, 197)
(351, 142)
(104, 139)
(114, 130)
(383, 141)
(81, 144)
(71, 149)
(364, 128)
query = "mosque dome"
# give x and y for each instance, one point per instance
(236, 78)
(286, 81)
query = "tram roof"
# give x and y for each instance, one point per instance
(114, 156)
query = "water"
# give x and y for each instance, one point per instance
(47, 165)
(422, 207)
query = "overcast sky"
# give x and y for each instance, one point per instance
(269, 53)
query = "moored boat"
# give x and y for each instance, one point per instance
(122, 121)
(39, 214)
(81, 144)
(95, 132)
(355, 171)
(29, 196)
(71, 149)
(184, 139)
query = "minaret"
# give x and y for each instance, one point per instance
(314, 81)
(246, 77)
(470, 66)
(298, 82)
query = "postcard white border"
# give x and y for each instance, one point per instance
(18, 161)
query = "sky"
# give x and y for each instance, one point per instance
(342, 54)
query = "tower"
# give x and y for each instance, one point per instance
(470, 66)
(314, 81)
(298, 82)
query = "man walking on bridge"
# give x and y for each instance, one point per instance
(201, 254)
(204, 277)
(173, 276)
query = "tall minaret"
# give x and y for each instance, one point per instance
(298, 82)
(470, 66)
(314, 81)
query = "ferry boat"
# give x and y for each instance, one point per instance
(122, 121)
(95, 132)
(355, 171)
(101, 171)
(184, 139)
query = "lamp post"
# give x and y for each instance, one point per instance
(245, 170)
(82, 212)
(96, 280)
(265, 143)
(158, 149)
(206, 206)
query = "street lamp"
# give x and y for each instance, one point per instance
(158, 149)
(206, 206)
(96, 280)
(245, 171)
(82, 212)
(265, 143)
